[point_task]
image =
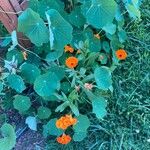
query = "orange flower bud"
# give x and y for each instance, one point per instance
(97, 36)
(68, 49)
(24, 55)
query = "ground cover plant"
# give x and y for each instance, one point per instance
(65, 80)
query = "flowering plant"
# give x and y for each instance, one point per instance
(76, 48)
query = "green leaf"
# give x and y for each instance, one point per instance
(22, 103)
(103, 78)
(76, 18)
(29, 72)
(54, 55)
(99, 107)
(14, 40)
(9, 140)
(14, 53)
(32, 123)
(82, 125)
(62, 106)
(1, 86)
(51, 129)
(45, 85)
(45, 5)
(6, 41)
(16, 83)
(106, 46)
(65, 87)
(79, 136)
(60, 30)
(133, 11)
(74, 109)
(103, 58)
(30, 23)
(94, 45)
(115, 44)
(122, 36)
(110, 28)
(43, 112)
(101, 12)
(59, 71)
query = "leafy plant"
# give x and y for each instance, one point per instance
(70, 64)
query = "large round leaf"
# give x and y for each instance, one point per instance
(76, 18)
(43, 112)
(79, 136)
(30, 23)
(103, 78)
(53, 55)
(101, 12)
(60, 30)
(16, 83)
(59, 71)
(46, 84)
(82, 124)
(22, 103)
(29, 72)
(45, 5)
(9, 140)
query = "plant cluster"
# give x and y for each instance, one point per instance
(68, 71)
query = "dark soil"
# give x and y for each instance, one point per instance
(26, 138)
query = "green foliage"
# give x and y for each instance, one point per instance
(81, 127)
(29, 72)
(99, 107)
(82, 124)
(22, 103)
(51, 129)
(9, 140)
(104, 11)
(133, 11)
(16, 83)
(60, 30)
(1, 86)
(15, 53)
(43, 112)
(89, 30)
(45, 85)
(33, 27)
(103, 78)
(32, 123)
(98, 104)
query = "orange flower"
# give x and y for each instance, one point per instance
(24, 55)
(65, 121)
(71, 62)
(68, 49)
(121, 54)
(97, 36)
(64, 139)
